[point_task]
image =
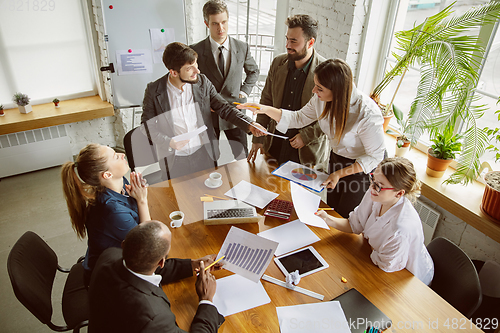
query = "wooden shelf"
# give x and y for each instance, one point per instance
(46, 115)
(461, 201)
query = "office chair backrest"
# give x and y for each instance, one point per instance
(455, 277)
(139, 150)
(32, 266)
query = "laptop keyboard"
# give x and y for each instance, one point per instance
(229, 213)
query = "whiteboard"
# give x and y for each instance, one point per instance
(126, 27)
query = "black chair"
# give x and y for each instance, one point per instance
(487, 316)
(140, 152)
(32, 267)
(455, 277)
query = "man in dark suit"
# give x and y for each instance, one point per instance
(222, 59)
(181, 103)
(125, 294)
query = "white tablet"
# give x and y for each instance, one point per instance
(306, 260)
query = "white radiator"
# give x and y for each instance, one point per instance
(33, 150)
(429, 217)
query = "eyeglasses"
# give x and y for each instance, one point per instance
(376, 186)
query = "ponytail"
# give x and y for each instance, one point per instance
(80, 192)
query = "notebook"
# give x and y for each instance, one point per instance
(361, 313)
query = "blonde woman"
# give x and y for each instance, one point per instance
(101, 202)
(389, 221)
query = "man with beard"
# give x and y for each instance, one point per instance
(289, 85)
(179, 103)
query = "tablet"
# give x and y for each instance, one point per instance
(306, 260)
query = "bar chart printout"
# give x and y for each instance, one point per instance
(246, 254)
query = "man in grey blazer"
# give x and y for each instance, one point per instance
(180, 103)
(223, 59)
(125, 293)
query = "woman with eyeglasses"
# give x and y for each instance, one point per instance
(351, 121)
(101, 202)
(388, 220)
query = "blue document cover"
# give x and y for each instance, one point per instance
(302, 175)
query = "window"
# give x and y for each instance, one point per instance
(44, 51)
(415, 12)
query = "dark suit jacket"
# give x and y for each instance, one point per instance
(155, 113)
(317, 149)
(123, 302)
(230, 86)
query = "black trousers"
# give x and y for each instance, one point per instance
(281, 149)
(184, 165)
(349, 190)
(238, 141)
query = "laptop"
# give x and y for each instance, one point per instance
(229, 212)
(361, 313)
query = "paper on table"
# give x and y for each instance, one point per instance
(314, 317)
(290, 236)
(251, 194)
(246, 254)
(236, 294)
(306, 204)
(189, 135)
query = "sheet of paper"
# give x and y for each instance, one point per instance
(302, 175)
(306, 204)
(190, 135)
(290, 236)
(135, 62)
(315, 317)
(159, 41)
(236, 294)
(246, 254)
(251, 194)
(268, 133)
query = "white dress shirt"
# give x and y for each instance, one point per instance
(183, 111)
(363, 138)
(155, 279)
(226, 53)
(396, 237)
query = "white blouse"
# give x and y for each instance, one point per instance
(363, 138)
(396, 237)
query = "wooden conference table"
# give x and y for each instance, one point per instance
(410, 304)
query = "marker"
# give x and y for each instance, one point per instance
(216, 261)
(255, 107)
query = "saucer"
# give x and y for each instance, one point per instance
(207, 183)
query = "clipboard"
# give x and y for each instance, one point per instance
(302, 175)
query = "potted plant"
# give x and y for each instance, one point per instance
(23, 102)
(402, 141)
(490, 204)
(449, 59)
(56, 102)
(442, 152)
(1, 111)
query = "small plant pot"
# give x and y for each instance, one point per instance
(2, 113)
(490, 205)
(401, 151)
(387, 120)
(25, 109)
(436, 166)
(56, 105)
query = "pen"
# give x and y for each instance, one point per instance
(213, 196)
(325, 208)
(255, 107)
(216, 261)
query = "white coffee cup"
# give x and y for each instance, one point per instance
(215, 178)
(177, 217)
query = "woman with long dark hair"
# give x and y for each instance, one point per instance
(353, 124)
(101, 202)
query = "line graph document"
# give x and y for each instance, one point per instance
(246, 254)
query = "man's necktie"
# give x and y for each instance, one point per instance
(221, 60)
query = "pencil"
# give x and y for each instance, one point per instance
(216, 261)
(325, 209)
(255, 107)
(214, 196)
